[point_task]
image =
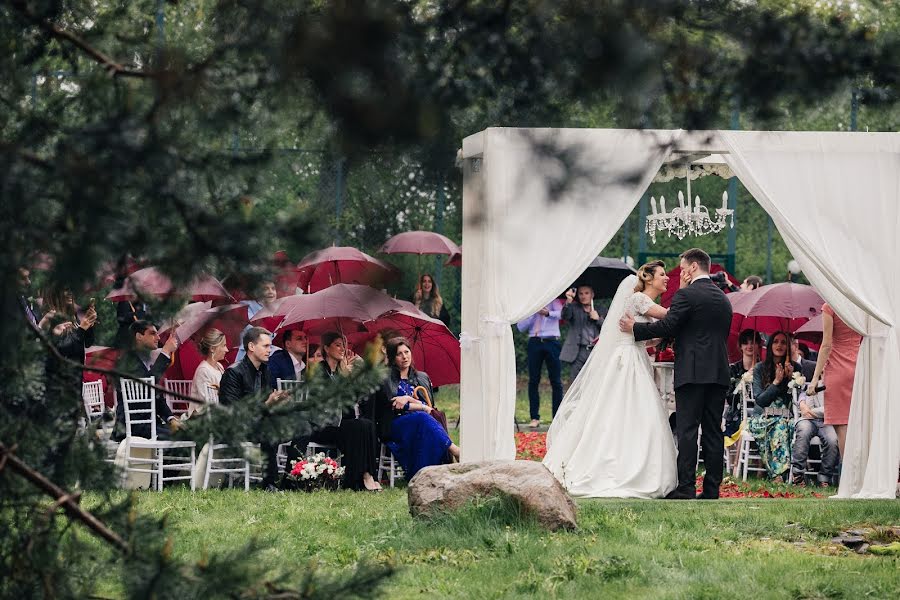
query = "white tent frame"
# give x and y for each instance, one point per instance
(485, 403)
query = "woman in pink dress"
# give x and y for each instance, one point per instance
(837, 359)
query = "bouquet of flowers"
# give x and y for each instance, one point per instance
(797, 381)
(313, 473)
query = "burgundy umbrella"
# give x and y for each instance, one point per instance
(271, 317)
(341, 264)
(230, 319)
(811, 331)
(151, 282)
(420, 242)
(434, 348)
(342, 307)
(285, 278)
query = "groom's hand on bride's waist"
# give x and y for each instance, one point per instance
(626, 323)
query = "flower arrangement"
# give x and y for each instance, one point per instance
(316, 472)
(797, 381)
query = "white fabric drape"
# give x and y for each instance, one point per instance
(835, 198)
(537, 208)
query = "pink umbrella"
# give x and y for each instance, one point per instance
(811, 330)
(285, 278)
(455, 260)
(152, 282)
(342, 307)
(435, 349)
(341, 264)
(420, 242)
(782, 300)
(230, 319)
(271, 317)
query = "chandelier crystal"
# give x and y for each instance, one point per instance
(686, 219)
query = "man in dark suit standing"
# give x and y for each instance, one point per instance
(699, 320)
(138, 362)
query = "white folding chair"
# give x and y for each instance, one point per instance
(139, 404)
(92, 396)
(179, 386)
(748, 450)
(312, 448)
(387, 464)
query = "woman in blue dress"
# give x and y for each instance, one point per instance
(404, 419)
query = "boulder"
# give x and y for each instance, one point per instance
(447, 487)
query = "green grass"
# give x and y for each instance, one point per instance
(635, 549)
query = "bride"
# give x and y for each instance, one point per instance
(611, 436)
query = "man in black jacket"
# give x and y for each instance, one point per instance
(251, 376)
(699, 320)
(137, 361)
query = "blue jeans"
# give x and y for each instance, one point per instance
(806, 430)
(540, 351)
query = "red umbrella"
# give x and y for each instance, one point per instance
(230, 319)
(151, 281)
(435, 349)
(675, 282)
(341, 264)
(420, 242)
(342, 307)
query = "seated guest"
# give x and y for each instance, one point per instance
(268, 293)
(251, 376)
(352, 434)
(772, 422)
(749, 342)
(209, 373)
(811, 424)
(287, 363)
(751, 283)
(138, 362)
(405, 421)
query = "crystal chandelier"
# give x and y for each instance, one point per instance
(687, 220)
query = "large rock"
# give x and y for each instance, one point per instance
(447, 487)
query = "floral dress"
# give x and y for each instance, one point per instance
(772, 422)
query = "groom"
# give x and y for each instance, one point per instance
(699, 319)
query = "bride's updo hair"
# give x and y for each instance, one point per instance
(646, 273)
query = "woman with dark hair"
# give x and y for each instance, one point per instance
(353, 435)
(405, 421)
(70, 332)
(428, 299)
(772, 422)
(750, 343)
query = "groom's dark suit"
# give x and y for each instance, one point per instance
(699, 320)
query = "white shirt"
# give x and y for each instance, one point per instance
(299, 365)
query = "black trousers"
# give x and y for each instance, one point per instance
(356, 439)
(700, 404)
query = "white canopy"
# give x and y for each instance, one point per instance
(540, 204)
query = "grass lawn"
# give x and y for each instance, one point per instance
(741, 548)
(636, 549)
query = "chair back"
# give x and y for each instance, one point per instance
(747, 401)
(92, 396)
(139, 402)
(179, 386)
(291, 385)
(212, 394)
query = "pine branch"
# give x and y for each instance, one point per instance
(69, 502)
(114, 68)
(114, 372)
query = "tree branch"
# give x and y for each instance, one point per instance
(114, 68)
(114, 372)
(67, 501)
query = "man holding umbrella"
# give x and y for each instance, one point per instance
(584, 327)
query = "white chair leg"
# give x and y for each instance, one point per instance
(193, 465)
(209, 462)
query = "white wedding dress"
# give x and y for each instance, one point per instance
(611, 435)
